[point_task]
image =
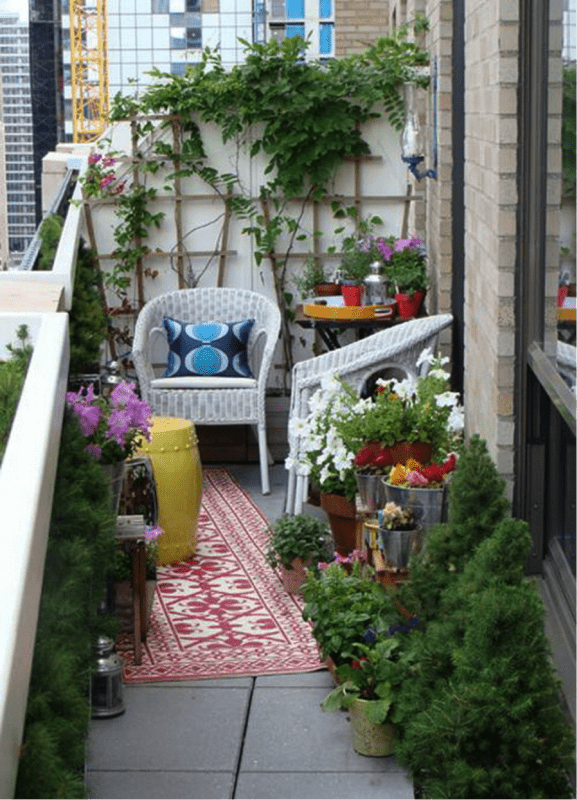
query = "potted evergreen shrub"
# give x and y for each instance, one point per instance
(295, 543)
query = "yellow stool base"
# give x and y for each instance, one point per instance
(173, 451)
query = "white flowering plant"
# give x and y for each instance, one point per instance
(344, 433)
(405, 411)
(325, 458)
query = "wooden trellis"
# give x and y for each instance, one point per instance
(181, 199)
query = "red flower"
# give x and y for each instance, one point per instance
(366, 454)
(433, 473)
(383, 458)
(450, 464)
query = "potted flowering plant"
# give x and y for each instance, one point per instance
(342, 600)
(405, 263)
(113, 427)
(369, 685)
(296, 543)
(399, 535)
(400, 412)
(327, 461)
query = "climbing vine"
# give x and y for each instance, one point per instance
(305, 117)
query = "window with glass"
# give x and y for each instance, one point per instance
(310, 19)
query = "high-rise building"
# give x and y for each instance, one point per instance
(169, 34)
(18, 160)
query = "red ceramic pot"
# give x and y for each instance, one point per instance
(352, 295)
(408, 305)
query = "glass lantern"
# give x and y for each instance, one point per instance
(106, 686)
(376, 285)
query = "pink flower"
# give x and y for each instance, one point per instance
(357, 555)
(118, 425)
(94, 158)
(107, 180)
(109, 161)
(416, 479)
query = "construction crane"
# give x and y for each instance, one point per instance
(89, 68)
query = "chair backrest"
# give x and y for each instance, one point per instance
(200, 305)
(397, 347)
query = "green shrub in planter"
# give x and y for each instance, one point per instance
(81, 549)
(482, 712)
(476, 505)
(299, 536)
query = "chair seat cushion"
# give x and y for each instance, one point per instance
(211, 348)
(203, 382)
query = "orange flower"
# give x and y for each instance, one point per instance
(398, 475)
(413, 465)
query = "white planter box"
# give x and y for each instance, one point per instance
(26, 488)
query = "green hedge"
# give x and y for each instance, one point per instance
(482, 712)
(81, 548)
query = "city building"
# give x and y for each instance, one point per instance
(17, 138)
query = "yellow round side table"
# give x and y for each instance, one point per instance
(173, 451)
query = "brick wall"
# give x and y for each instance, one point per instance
(358, 23)
(491, 42)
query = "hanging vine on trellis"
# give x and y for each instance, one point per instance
(303, 116)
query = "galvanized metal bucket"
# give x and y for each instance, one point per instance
(371, 491)
(428, 505)
(400, 546)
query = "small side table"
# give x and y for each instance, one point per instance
(129, 535)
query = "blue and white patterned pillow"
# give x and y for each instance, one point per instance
(208, 348)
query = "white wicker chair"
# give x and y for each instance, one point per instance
(396, 348)
(210, 400)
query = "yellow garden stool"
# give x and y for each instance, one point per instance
(173, 451)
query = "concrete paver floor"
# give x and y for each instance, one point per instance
(262, 737)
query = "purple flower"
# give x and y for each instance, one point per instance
(385, 249)
(152, 533)
(88, 417)
(370, 635)
(94, 450)
(118, 425)
(123, 394)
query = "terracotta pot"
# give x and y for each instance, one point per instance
(408, 305)
(352, 295)
(293, 579)
(327, 289)
(370, 738)
(342, 514)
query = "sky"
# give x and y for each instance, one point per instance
(20, 6)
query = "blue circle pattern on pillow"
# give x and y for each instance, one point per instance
(208, 348)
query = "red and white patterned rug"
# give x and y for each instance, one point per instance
(223, 613)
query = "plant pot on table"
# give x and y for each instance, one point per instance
(408, 305)
(352, 295)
